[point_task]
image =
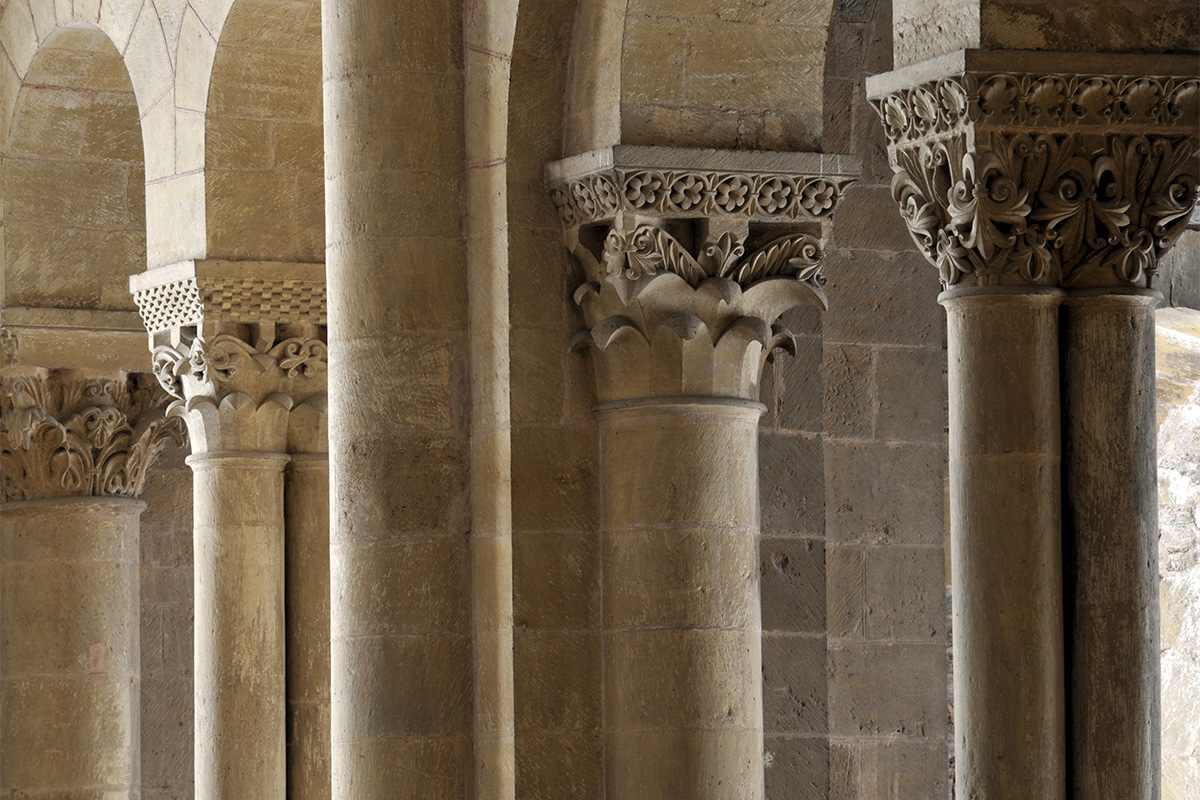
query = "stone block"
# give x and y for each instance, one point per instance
(869, 219)
(888, 690)
(559, 765)
(795, 691)
(843, 771)
(556, 681)
(654, 50)
(911, 388)
(798, 768)
(906, 594)
(412, 585)
(848, 391)
(791, 485)
(422, 490)
(732, 76)
(792, 573)
(904, 770)
(845, 588)
(883, 299)
(554, 479)
(881, 494)
(167, 735)
(554, 580)
(799, 386)
(537, 369)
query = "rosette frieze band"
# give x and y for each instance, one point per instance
(690, 258)
(69, 434)
(1045, 169)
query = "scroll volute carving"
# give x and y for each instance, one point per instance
(65, 434)
(239, 396)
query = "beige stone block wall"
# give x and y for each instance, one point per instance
(714, 74)
(74, 195)
(264, 141)
(884, 419)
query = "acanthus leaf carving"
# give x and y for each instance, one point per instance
(66, 435)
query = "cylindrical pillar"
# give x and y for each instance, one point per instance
(402, 655)
(70, 661)
(682, 661)
(1110, 538)
(239, 631)
(306, 501)
(1006, 554)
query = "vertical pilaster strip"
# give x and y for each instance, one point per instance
(400, 558)
(306, 584)
(1006, 554)
(239, 637)
(1110, 537)
(489, 28)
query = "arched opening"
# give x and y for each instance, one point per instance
(74, 185)
(264, 179)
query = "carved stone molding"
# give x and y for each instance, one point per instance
(690, 259)
(65, 434)
(195, 292)
(237, 396)
(690, 184)
(1054, 178)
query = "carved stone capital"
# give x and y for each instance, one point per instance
(690, 258)
(238, 396)
(1046, 169)
(67, 434)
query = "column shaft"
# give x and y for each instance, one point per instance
(1111, 546)
(1005, 506)
(401, 650)
(239, 631)
(682, 624)
(70, 669)
(306, 501)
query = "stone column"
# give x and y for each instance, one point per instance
(74, 451)
(683, 300)
(240, 345)
(1042, 173)
(236, 398)
(1111, 543)
(1006, 552)
(406, 602)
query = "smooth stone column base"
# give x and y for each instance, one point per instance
(1005, 508)
(239, 627)
(70, 668)
(1110, 538)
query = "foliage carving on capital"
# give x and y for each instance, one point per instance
(236, 396)
(1069, 180)
(1048, 209)
(67, 435)
(664, 321)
